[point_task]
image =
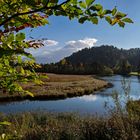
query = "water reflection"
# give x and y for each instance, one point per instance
(89, 98)
(138, 78)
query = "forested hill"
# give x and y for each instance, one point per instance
(103, 60)
(105, 55)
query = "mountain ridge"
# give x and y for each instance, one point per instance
(105, 54)
(102, 60)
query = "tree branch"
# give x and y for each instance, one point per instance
(34, 11)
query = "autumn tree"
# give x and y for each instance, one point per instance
(16, 15)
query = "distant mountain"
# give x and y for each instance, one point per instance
(103, 60)
(105, 55)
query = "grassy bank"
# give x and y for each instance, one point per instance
(134, 73)
(59, 87)
(43, 126)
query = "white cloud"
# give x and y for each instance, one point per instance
(87, 42)
(50, 43)
(52, 53)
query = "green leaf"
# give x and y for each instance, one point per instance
(44, 21)
(22, 71)
(128, 20)
(10, 70)
(30, 56)
(82, 4)
(120, 15)
(6, 62)
(2, 38)
(105, 12)
(20, 36)
(1, 66)
(10, 38)
(83, 19)
(108, 19)
(96, 7)
(114, 11)
(94, 20)
(74, 2)
(114, 21)
(1, 73)
(19, 59)
(121, 24)
(89, 2)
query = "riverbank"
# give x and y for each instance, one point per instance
(59, 87)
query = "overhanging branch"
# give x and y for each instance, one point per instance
(34, 11)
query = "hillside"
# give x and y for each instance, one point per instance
(105, 55)
(102, 60)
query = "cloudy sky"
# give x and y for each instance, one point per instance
(66, 37)
(52, 52)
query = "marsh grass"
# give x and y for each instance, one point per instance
(44, 126)
(59, 86)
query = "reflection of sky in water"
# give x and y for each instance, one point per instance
(89, 98)
(86, 104)
(117, 81)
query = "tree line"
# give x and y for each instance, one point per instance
(103, 60)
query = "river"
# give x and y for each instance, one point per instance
(88, 104)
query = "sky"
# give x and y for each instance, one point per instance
(65, 36)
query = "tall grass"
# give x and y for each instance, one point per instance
(36, 126)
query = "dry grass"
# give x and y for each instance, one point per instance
(46, 126)
(61, 86)
(134, 73)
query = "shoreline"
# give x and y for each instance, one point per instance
(60, 87)
(49, 97)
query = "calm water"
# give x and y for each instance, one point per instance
(92, 104)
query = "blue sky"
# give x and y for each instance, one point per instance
(62, 30)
